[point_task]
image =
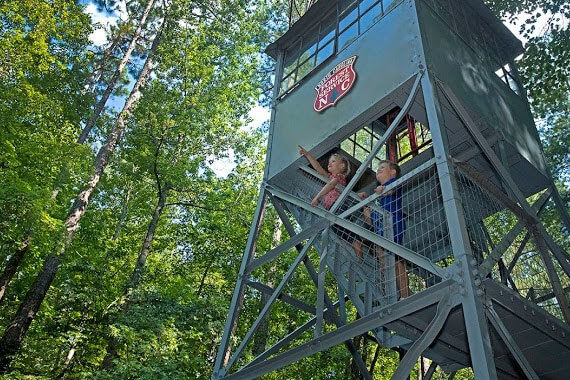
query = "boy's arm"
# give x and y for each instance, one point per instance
(314, 163)
(326, 188)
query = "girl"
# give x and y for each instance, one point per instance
(338, 170)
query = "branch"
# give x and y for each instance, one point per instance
(191, 204)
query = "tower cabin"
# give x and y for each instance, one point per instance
(443, 272)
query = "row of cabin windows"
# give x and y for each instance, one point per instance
(337, 29)
(410, 139)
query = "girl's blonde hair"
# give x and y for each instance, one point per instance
(344, 160)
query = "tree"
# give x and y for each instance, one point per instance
(15, 332)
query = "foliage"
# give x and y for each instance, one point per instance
(207, 76)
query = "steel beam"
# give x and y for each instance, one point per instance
(268, 305)
(321, 282)
(240, 284)
(510, 343)
(283, 297)
(379, 143)
(484, 145)
(285, 246)
(553, 276)
(487, 265)
(430, 333)
(561, 207)
(285, 341)
(387, 244)
(344, 333)
(475, 321)
(330, 309)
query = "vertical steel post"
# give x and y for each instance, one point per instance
(473, 311)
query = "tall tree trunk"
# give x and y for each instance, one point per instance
(123, 215)
(98, 68)
(18, 255)
(113, 82)
(16, 330)
(138, 271)
(12, 266)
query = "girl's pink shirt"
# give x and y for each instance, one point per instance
(333, 195)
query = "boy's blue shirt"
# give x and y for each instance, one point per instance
(393, 204)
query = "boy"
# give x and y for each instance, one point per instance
(391, 201)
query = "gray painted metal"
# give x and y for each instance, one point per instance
(511, 344)
(379, 143)
(475, 321)
(406, 35)
(378, 318)
(475, 83)
(328, 313)
(487, 265)
(270, 301)
(387, 58)
(240, 284)
(363, 232)
(411, 357)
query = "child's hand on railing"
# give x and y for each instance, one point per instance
(315, 202)
(362, 195)
(302, 151)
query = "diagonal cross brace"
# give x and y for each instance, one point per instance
(381, 317)
(268, 305)
(430, 333)
(497, 252)
(379, 143)
(387, 244)
(510, 343)
(558, 252)
(330, 309)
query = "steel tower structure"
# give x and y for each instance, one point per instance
(432, 85)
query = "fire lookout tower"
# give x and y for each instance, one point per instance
(477, 280)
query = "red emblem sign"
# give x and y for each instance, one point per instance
(335, 84)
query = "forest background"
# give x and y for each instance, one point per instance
(119, 245)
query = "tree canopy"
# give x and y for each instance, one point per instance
(147, 260)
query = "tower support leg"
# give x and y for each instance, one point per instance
(472, 302)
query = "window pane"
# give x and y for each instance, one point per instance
(366, 4)
(389, 4)
(348, 36)
(287, 83)
(325, 52)
(328, 27)
(346, 18)
(369, 18)
(290, 61)
(344, 4)
(305, 68)
(309, 43)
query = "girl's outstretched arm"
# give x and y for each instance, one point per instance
(326, 188)
(314, 163)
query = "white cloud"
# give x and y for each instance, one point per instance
(258, 114)
(104, 19)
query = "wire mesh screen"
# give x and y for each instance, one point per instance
(479, 210)
(409, 212)
(521, 266)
